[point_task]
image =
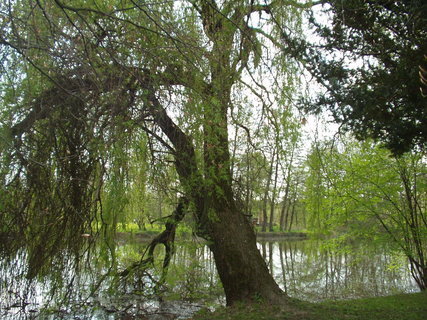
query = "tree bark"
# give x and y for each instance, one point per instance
(241, 268)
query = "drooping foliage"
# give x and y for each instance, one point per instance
(117, 74)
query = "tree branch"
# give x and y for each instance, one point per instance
(166, 237)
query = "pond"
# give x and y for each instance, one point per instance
(87, 286)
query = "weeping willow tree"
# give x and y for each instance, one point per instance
(84, 82)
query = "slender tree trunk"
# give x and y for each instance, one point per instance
(294, 201)
(265, 201)
(282, 213)
(287, 215)
(292, 214)
(284, 210)
(273, 197)
(264, 214)
(297, 219)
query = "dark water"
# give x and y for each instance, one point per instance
(86, 287)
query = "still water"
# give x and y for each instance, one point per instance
(87, 286)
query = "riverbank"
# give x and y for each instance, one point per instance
(261, 236)
(275, 236)
(398, 307)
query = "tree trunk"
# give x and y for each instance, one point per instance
(294, 202)
(292, 215)
(265, 201)
(273, 197)
(282, 213)
(248, 200)
(241, 268)
(287, 214)
(284, 210)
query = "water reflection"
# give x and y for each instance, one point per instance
(304, 270)
(87, 287)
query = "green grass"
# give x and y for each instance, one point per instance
(133, 228)
(152, 229)
(398, 307)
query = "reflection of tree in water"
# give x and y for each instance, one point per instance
(69, 279)
(314, 273)
(302, 268)
(194, 276)
(191, 275)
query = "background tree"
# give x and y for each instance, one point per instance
(366, 56)
(366, 194)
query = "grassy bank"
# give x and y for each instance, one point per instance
(398, 307)
(151, 230)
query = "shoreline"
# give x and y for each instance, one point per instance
(281, 236)
(260, 236)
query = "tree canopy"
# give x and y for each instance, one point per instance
(367, 56)
(103, 100)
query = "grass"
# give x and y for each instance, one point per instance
(398, 307)
(152, 229)
(131, 227)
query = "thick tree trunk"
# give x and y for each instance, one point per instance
(241, 268)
